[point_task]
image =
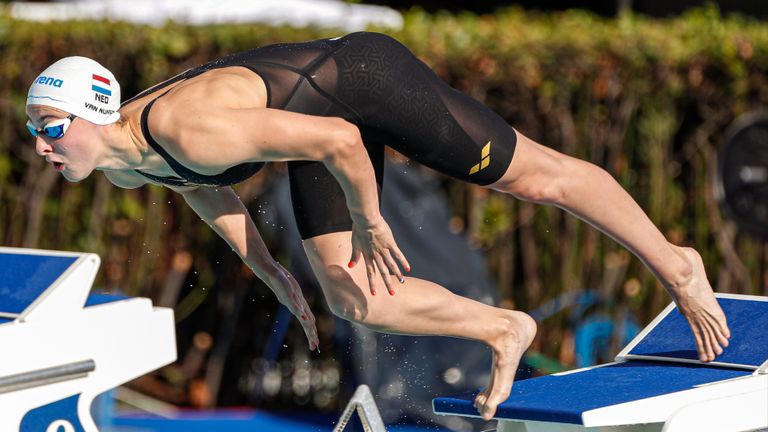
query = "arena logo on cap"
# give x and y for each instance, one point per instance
(102, 87)
(51, 81)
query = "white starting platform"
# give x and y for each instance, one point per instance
(655, 384)
(61, 347)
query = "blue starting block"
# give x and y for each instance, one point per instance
(656, 383)
(61, 347)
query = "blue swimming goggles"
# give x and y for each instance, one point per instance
(53, 129)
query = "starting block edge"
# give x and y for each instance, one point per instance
(68, 293)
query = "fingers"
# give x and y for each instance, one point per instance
(392, 267)
(386, 268)
(374, 263)
(384, 272)
(381, 255)
(388, 261)
(307, 320)
(299, 307)
(356, 254)
(314, 340)
(310, 329)
(370, 270)
(395, 251)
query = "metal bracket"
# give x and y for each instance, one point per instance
(362, 402)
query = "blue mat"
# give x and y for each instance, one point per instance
(24, 277)
(564, 398)
(747, 320)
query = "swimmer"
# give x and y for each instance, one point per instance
(329, 107)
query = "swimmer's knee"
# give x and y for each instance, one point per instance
(347, 311)
(547, 187)
(347, 300)
(344, 297)
(537, 173)
(357, 312)
(547, 192)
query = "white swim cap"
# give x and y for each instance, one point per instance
(79, 86)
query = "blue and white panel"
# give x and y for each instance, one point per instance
(669, 337)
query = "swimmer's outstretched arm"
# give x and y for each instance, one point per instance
(223, 211)
(263, 134)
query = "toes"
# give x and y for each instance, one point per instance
(723, 340)
(725, 330)
(480, 400)
(706, 352)
(715, 341)
(712, 346)
(700, 342)
(493, 402)
(721, 331)
(706, 349)
(717, 350)
(486, 412)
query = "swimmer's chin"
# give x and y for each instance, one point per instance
(74, 179)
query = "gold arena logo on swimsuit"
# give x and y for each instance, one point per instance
(485, 154)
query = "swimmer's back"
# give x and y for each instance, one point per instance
(232, 87)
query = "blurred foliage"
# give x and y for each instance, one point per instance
(648, 100)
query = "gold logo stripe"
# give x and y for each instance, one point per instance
(485, 159)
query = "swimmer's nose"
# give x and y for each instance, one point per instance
(41, 147)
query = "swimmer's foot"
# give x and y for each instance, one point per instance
(508, 347)
(696, 301)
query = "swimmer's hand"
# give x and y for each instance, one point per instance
(289, 293)
(376, 244)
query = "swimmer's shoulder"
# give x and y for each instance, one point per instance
(192, 109)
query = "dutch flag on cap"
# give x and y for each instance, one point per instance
(101, 85)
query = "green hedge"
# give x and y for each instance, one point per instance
(646, 99)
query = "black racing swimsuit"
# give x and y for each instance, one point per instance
(376, 83)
